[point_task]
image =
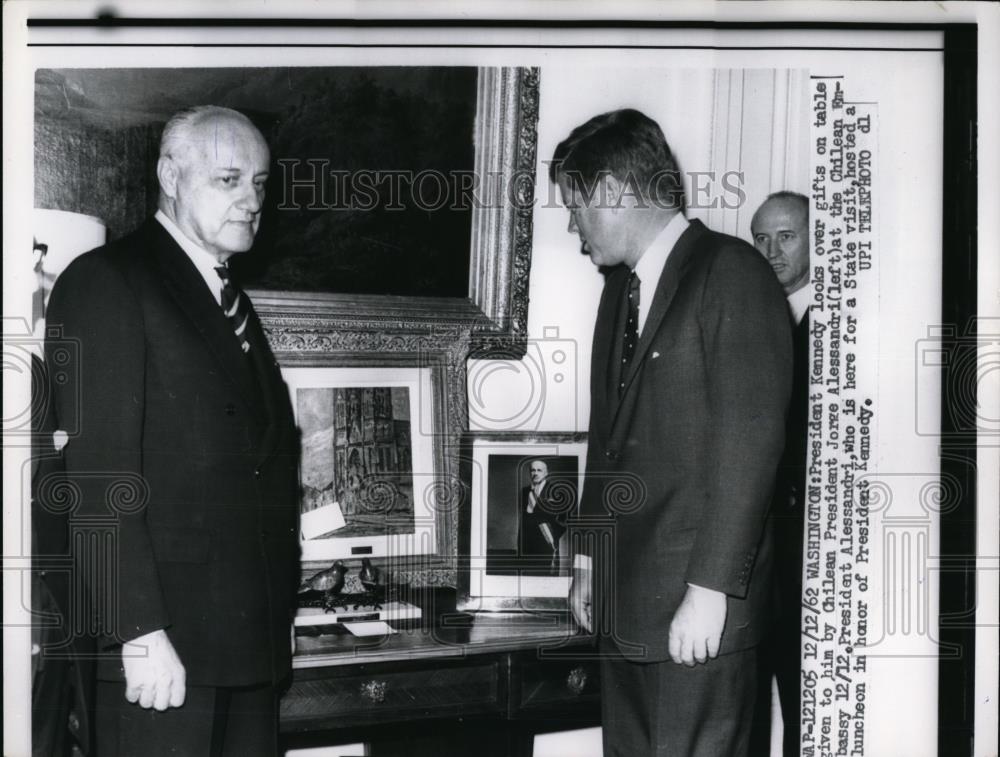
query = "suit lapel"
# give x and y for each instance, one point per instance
(674, 270)
(670, 279)
(607, 347)
(188, 289)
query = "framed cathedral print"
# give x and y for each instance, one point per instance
(367, 468)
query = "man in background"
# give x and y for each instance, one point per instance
(780, 229)
(690, 377)
(185, 461)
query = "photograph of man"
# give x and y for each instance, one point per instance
(780, 229)
(528, 500)
(185, 463)
(539, 528)
(690, 379)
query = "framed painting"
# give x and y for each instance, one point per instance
(364, 472)
(400, 189)
(381, 417)
(426, 221)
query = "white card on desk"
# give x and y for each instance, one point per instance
(370, 628)
(322, 520)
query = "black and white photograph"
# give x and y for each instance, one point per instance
(529, 501)
(531, 381)
(363, 470)
(524, 493)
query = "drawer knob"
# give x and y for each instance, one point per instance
(373, 691)
(576, 681)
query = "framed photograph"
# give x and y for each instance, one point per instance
(522, 489)
(381, 416)
(363, 466)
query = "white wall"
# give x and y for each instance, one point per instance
(722, 120)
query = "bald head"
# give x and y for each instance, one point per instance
(212, 169)
(780, 229)
(539, 471)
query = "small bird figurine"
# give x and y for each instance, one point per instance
(330, 581)
(370, 578)
(369, 575)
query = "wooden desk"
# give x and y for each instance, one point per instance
(463, 685)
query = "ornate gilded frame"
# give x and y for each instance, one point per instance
(315, 334)
(495, 312)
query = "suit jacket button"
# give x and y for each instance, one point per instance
(611, 454)
(256, 472)
(230, 409)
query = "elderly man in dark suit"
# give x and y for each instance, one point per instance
(540, 528)
(689, 384)
(185, 462)
(780, 230)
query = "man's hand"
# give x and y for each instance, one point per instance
(580, 592)
(154, 674)
(696, 630)
(546, 530)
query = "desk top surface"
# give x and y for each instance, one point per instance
(451, 635)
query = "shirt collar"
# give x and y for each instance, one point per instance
(203, 260)
(650, 265)
(798, 303)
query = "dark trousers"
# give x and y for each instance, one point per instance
(51, 697)
(780, 652)
(662, 709)
(212, 722)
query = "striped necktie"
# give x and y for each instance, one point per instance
(236, 306)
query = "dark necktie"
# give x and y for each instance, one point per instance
(236, 306)
(631, 335)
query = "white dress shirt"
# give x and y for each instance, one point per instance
(798, 302)
(203, 260)
(651, 264)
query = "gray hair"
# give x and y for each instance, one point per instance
(178, 133)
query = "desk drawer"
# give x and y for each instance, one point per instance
(542, 684)
(380, 695)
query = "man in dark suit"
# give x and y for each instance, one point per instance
(185, 462)
(689, 382)
(780, 229)
(61, 664)
(539, 529)
(61, 655)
